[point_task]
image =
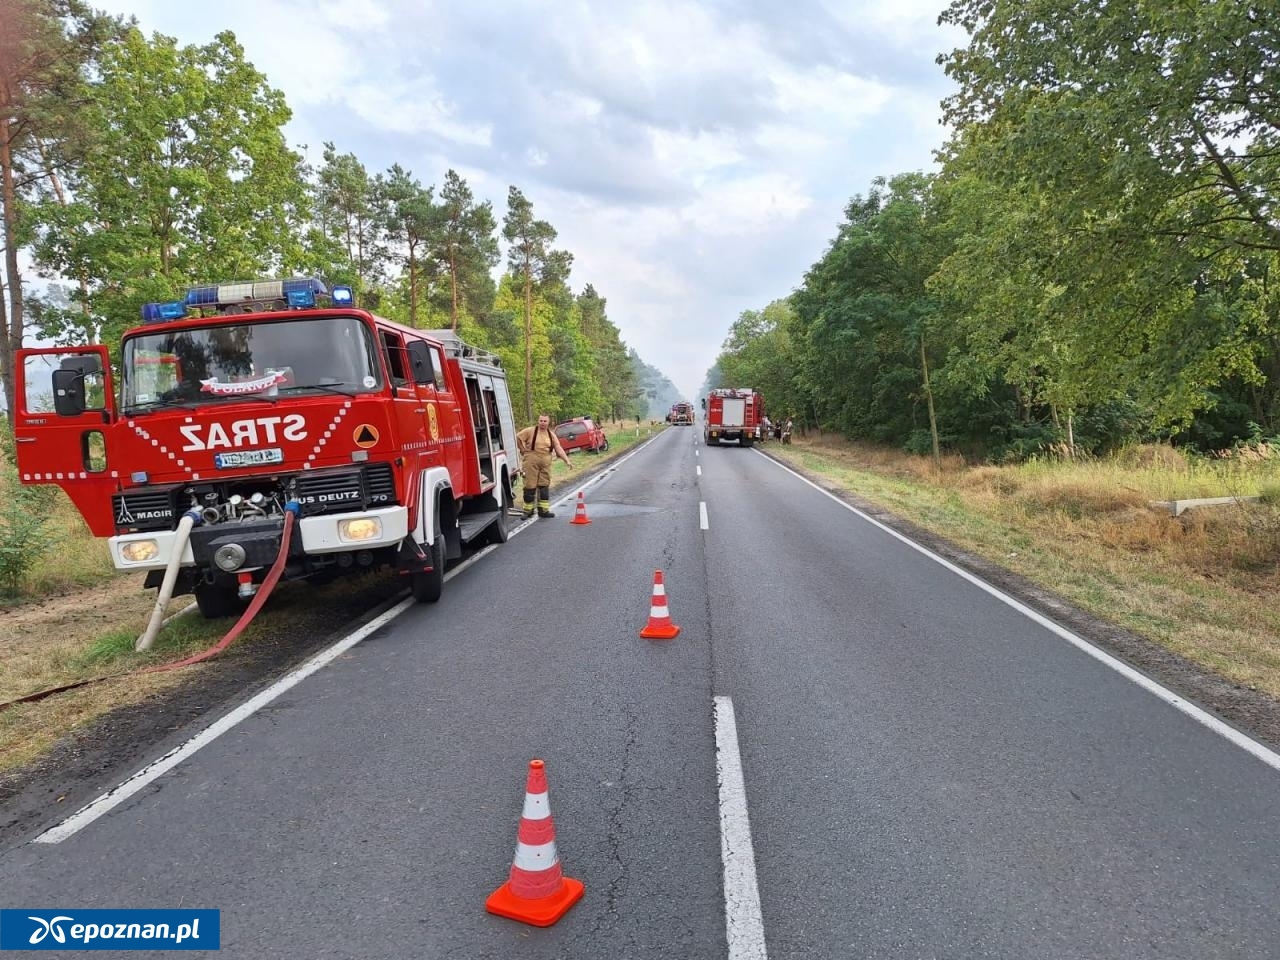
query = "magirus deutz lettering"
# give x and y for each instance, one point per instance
(244, 407)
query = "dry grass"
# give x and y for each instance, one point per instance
(1206, 584)
(74, 636)
(75, 617)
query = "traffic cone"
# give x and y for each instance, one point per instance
(537, 891)
(580, 514)
(659, 626)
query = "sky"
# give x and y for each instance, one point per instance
(695, 156)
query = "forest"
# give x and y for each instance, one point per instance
(1089, 266)
(132, 168)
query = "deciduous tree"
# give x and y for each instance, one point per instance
(189, 180)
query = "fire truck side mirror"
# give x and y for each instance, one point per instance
(68, 393)
(704, 403)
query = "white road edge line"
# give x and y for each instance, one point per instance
(702, 515)
(1200, 715)
(119, 794)
(743, 920)
(123, 791)
(600, 478)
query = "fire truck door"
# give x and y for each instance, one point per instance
(480, 425)
(65, 411)
(496, 439)
(507, 418)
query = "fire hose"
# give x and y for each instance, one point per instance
(264, 591)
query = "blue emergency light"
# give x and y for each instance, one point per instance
(259, 295)
(255, 296)
(160, 312)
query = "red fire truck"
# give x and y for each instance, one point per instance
(732, 414)
(681, 414)
(247, 407)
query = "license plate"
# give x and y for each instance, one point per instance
(248, 458)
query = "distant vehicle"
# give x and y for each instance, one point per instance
(681, 414)
(733, 414)
(581, 433)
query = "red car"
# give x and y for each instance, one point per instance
(581, 433)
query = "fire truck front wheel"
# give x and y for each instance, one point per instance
(427, 586)
(215, 600)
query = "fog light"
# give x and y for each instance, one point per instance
(364, 528)
(139, 551)
(229, 557)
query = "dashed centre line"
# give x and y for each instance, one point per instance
(699, 471)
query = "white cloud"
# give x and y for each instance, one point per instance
(694, 156)
(403, 108)
(733, 207)
(825, 96)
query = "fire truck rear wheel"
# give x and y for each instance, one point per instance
(215, 600)
(426, 587)
(498, 532)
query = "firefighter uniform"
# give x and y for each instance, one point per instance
(538, 445)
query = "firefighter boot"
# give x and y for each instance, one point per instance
(544, 502)
(528, 504)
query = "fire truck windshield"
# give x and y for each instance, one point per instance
(262, 359)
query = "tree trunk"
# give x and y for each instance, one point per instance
(933, 417)
(528, 341)
(10, 326)
(7, 359)
(413, 287)
(453, 283)
(1071, 434)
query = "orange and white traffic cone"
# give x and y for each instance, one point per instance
(537, 891)
(580, 514)
(659, 626)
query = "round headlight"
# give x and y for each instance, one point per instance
(229, 557)
(139, 551)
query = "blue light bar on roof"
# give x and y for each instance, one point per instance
(258, 295)
(160, 312)
(342, 296)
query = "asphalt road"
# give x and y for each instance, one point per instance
(928, 772)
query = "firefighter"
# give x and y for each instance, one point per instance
(538, 444)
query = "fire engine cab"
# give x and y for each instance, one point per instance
(247, 407)
(732, 414)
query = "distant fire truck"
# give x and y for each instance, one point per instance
(732, 415)
(247, 406)
(681, 414)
